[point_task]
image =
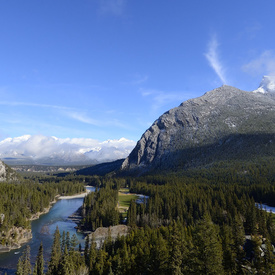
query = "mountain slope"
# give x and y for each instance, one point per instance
(223, 124)
(6, 173)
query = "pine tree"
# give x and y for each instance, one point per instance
(269, 261)
(19, 268)
(208, 248)
(229, 254)
(175, 252)
(92, 254)
(63, 241)
(86, 250)
(24, 264)
(68, 241)
(55, 254)
(66, 266)
(40, 261)
(238, 243)
(257, 260)
(73, 242)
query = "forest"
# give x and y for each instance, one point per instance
(204, 222)
(22, 199)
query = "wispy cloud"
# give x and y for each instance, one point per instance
(162, 98)
(263, 64)
(137, 80)
(213, 59)
(18, 103)
(113, 7)
(82, 118)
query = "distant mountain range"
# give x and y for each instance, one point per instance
(225, 124)
(43, 150)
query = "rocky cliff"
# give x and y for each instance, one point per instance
(6, 173)
(225, 123)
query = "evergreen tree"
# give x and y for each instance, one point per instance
(24, 264)
(229, 254)
(19, 269)
(92, 255)
(66, 266)
(175, 251)
(40, 261)
(238, 240)
(86, 250)
(55, 254)
(73, 242)
(63, 242)
(269, 261)
(209, 249)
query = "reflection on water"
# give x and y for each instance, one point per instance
(42, 231)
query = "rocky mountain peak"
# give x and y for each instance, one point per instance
(200, 131)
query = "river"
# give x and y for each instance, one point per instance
(42, 231)
(267, 208)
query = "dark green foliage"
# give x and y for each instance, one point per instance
(99, 207)
(195, 224)
(39, 265)
(19, 201)
(55, 254)
(24, 265)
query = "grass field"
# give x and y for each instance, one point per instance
(124, 200)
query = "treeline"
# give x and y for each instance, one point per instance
(19, 201)
(205, 248)
(188, 203)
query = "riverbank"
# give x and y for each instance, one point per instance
(17, 236)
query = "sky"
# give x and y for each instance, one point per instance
(106, 69)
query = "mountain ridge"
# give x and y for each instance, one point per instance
(189, 134)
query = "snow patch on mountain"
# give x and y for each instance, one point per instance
(267, 85)
(41, 149)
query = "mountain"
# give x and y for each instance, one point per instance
(6, 173)
(225, 124)
(43, 150)
(267, 85)
(101, 169)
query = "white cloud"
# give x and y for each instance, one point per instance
(82, 118)
(264, 64)
(113, 7)
(75, 150)
(213, 59)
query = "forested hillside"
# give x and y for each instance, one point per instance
(24, 199)
(204, 222)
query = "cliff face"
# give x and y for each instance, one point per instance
(6, 173)
(223, 123)
(15, 237)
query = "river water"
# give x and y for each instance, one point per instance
(268, 208)
(42, 231)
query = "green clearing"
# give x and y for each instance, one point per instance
(124, 200)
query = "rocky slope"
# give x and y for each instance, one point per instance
(6, 173)
(223, 124)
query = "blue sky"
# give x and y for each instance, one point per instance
(106, 69)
